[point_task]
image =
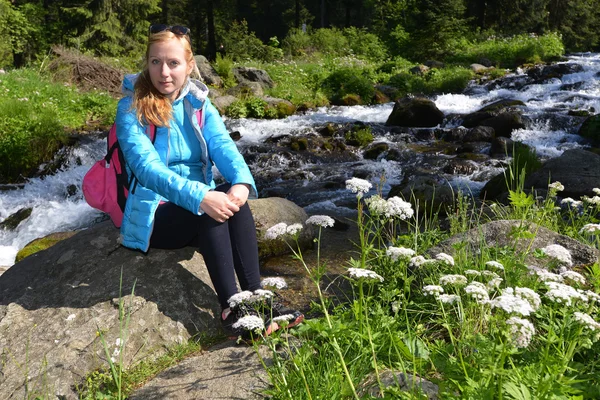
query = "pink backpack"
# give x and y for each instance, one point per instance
(106, 185)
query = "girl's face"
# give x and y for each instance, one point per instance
(168, 67)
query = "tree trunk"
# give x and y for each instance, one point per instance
(211, 50)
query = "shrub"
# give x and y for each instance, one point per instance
(330, 41)
(347, 81)
(224, 67)
(359, 137)
(237, 109)
(365, 44)
(242, 44)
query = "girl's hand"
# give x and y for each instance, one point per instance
(238, 194)
(218, 206)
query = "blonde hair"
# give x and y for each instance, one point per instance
(151, 106)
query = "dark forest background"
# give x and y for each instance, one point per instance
(413, 29)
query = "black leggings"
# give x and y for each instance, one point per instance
(229, 248)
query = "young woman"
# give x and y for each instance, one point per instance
(173, 201)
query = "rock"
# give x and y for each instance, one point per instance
(405, 382)
(502, 234)
(419, 70)
(480, 134)
(207, 72)
(503, 123)
(415, 112)
(222, 102)
(502, 105)
(433, 64)
(247, 74)
(42, 244)
(246, 89)
(590, 129)
(273, 210)
(13, 220)
(53, 303)
(225, 371)
(430, 193)
(541, 73)
(577, 169)
(478, 68)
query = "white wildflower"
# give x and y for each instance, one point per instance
(495, 264)
(586, 320)
(570, 202)
(358, 273)
(276, 231)
(433, 290)
(283, 318)
(473, 272)
(494, 283)
(262, 294)
(547, 276)
(559, 252)
(592, 297)
(293, 229)
(250, 323)
(449, 298)
(521, 330)
(458, 280)
(596, 190)
(396, 306)
(530, 295)
(478, 291)
(445, 258)
(276, 282)
(592, 200)
(559, 187)
(118, 342)
(490, 274)
(323, 221)
(239, 298)
(396, 253)
(399, 208)
(512, 304)
(359, 186)
(377, 205)
(573, 276)
(590, 228)
(417, 261)
(564, 294)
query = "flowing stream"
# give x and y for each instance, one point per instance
(548, 128)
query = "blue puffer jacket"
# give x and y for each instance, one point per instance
(178, 167)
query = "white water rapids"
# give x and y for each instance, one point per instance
(54, 211)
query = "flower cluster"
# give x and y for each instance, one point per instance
(593, 229)
(525, 293)
(358, 186)
(247, 297)
(457, 280)
(478, 291)
(558, 252)
(276, 231)
(495, 264)
(274, 282)
(556, 186)
(417, 261)
(433, 290)
(395, 253)
(367, 274)
(449, 298)
(512, 304)
(445, 258)
(473, 272)
(570, 202)
(573, 276)
(547, 276)
(392, 207)
(564, 294)
(250, 323)
(323, 221)
(595, 200)
(587, 321)
(521, 331)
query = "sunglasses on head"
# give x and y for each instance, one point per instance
(176, 29)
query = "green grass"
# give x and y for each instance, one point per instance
(36, 115)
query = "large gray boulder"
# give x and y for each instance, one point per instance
(54, 302)
(207, 72)
(248, 74)
(504, 233)
(577, 169)
(416, 112)
(590, 129)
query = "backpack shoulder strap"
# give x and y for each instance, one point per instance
(200, 116)
(152, 132)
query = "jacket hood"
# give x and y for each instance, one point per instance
(194, 90)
